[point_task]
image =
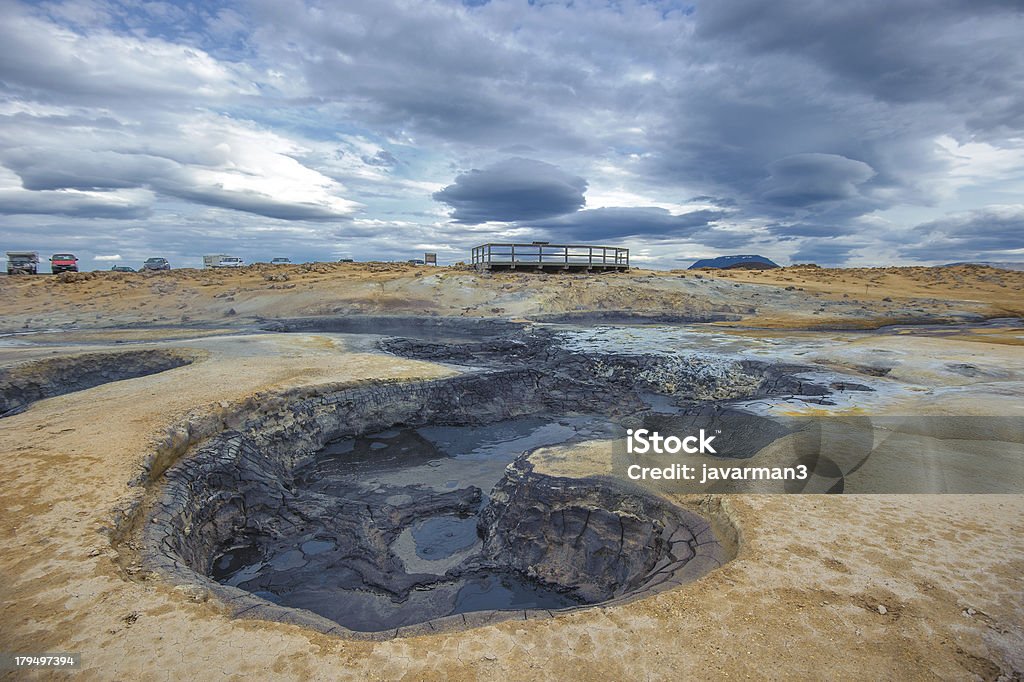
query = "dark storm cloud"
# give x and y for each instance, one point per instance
(904, 51)
(615, 223)
(1001, 224)
(827, 252)
(708, 199)
(812, 228)
(41, 168)
(433, 68)
(72, 204)
(731, 239)
(381, 158)
(257, 203)
(971, 235)
(870, 82)
(516, 189)
(806, 179)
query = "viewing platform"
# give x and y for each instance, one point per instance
(545, 257)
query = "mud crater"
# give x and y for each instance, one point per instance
(394, 508)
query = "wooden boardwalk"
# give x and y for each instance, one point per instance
(544, 257)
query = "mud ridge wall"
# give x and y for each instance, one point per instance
(24, 384)
(397, 325)
(692, 377)
(727, 314)
(594, 537)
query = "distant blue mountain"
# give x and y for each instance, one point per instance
(725, 262)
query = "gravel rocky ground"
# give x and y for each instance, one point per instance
(796, 297)
(822, 587)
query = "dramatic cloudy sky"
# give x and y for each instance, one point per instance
(813, 130)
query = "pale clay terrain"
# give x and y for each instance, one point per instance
(801, 600)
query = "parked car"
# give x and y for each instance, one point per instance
(280, 261)
(229, 262)
(63, 262)
(122, 268)
(22, 262)
(156, 264)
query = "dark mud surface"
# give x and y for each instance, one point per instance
(424, 490)
(441, 329)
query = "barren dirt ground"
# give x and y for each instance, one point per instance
(824, 587)
(795, 297)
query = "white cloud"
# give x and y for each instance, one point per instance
(198, 156)
(42, 56)
(974, 163)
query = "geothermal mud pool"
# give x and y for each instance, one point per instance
(395, 508)
(391, 508)
(437, 521)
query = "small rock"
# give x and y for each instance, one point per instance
(193, 592)
(882, 610)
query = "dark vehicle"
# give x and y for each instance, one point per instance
(280, 261)
(122, 268)
(22, 262)
(346, 260)
(63, 262)
(156, 264)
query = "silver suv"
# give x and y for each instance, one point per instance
(156, 264)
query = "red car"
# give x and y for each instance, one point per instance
(63, 262)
